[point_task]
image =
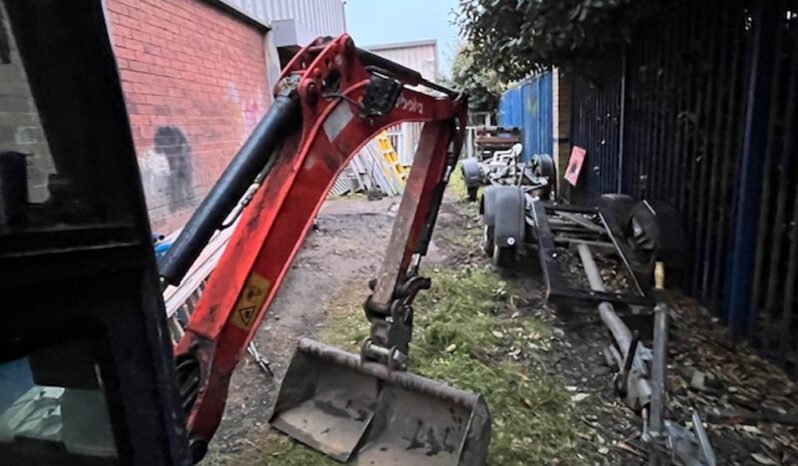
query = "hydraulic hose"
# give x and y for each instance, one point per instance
(281, 117)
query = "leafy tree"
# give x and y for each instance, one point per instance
(517, 37)
(484, 85)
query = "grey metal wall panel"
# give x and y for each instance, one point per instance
(253, 9)
(321, 17)
(421, 56)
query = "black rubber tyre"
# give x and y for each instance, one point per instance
(543, 166)
(487, 240)
(503, 257)
(616, 209)
(472, 193)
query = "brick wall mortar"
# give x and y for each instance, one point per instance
(195, 84)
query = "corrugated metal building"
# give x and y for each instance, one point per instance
(291, 25)
(422, 56)
(319, 17)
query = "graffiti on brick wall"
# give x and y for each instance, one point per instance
(167, 170)
(252, 112)
(249, 110)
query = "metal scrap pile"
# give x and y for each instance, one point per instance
(630, 237)
(507, 167)
(748, 406)
(375, 169)
(489, 139)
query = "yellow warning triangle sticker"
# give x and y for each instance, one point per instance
(250, 302)
(247, 315)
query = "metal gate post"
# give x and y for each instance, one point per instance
(761, 62)
(621, 127)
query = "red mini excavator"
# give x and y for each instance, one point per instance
(103, 349)
(331, 99)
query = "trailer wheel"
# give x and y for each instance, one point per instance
(543, 167)
(503, 257)
(488, 243)
(472, 193)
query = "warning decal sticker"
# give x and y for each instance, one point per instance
(250, 301)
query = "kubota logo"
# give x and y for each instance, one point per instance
(411, 105)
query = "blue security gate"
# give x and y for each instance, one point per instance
(529, 106)
(702, 113)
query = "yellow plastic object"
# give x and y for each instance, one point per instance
(659, 275)
(390, 156)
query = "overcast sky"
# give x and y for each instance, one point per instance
(373, 22)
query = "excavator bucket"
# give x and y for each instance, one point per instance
(364, 412)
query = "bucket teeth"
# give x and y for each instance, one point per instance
(365, 413)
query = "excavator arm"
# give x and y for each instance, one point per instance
(331, 99)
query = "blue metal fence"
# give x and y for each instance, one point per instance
(529, 107)
(701, 114)
(510, 109)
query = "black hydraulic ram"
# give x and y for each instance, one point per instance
(250, 161)
(409, 76)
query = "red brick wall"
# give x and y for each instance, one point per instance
(561, 94)
(195, 83)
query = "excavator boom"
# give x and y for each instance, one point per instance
(331, 100)
(88, 373)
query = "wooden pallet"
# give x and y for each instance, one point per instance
(181, 300)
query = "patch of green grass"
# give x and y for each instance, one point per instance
(468, 333)
(456, 184)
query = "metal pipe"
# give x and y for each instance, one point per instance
(620, 332)
(658, 368)
(607, 313)
(627, 363)
(704, 445)
(253, 156)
